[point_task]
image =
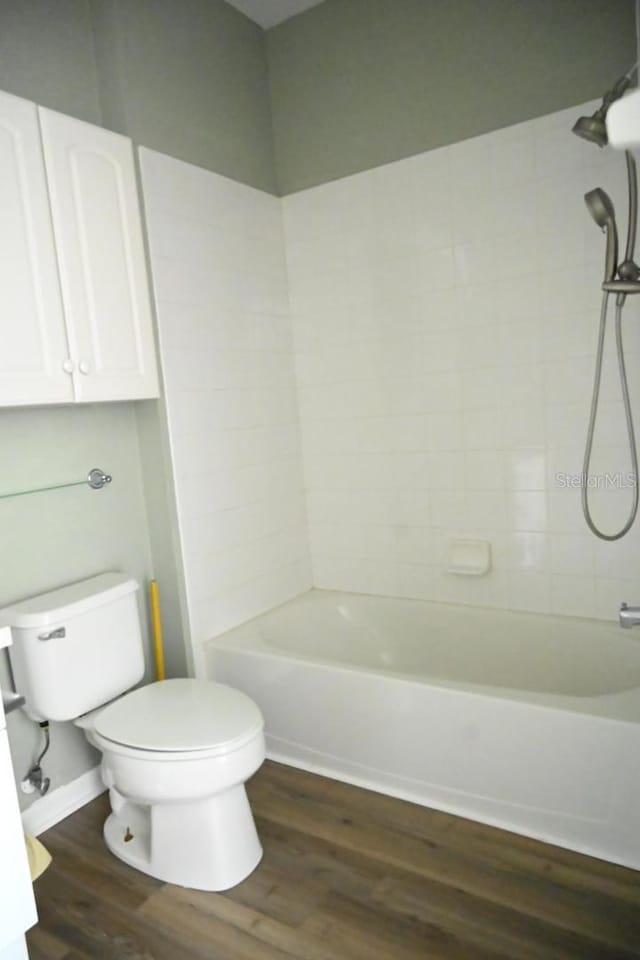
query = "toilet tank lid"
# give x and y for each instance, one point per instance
(72, 600)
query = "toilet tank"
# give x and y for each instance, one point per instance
(77, 647)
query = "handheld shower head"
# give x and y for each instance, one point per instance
(601, 209)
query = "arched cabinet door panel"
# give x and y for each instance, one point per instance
(97, 226)
(34, 356)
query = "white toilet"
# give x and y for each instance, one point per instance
(175, 754)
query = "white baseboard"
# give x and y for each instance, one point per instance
(55, 806)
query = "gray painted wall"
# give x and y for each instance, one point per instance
(188, 79)
(53, 538)
(354, 83)
(359, 83)
(46, 54)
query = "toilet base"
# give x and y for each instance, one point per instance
(209, 844)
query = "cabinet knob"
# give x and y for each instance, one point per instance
(68, 366)
(84, 367)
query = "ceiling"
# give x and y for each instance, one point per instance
(269, 12)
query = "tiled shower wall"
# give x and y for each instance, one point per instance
(217, 258)
(445, 313)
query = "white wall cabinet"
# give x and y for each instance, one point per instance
(75, 323)
(96, 221)
(33, 341)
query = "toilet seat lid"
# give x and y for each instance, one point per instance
(180, 715)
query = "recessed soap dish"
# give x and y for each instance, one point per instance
(469, 558)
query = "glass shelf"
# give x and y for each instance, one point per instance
(95, 479)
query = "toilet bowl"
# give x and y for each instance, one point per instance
(175, 757)
(175, 754)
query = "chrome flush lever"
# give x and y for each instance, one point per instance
(53, 634)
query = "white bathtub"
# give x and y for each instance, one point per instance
(530, 723)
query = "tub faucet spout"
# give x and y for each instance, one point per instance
(629, 616)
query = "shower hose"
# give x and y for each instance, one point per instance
(592, 420)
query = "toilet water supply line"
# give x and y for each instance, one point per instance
(35, 779)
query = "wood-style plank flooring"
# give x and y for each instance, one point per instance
(347, 875)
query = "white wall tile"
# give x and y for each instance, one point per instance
(528, 552)
(448, 508)
(476, 326)
(526, 469)
(486, 510)
(572, 554)
(444, 323)
(573, 595)
(529, 591)
(483, 428)
(484, 470)
(226, 345)
(482, 387)
(529, 510)
(416, 581)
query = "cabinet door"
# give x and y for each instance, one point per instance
(96, 220)
(33, 345)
